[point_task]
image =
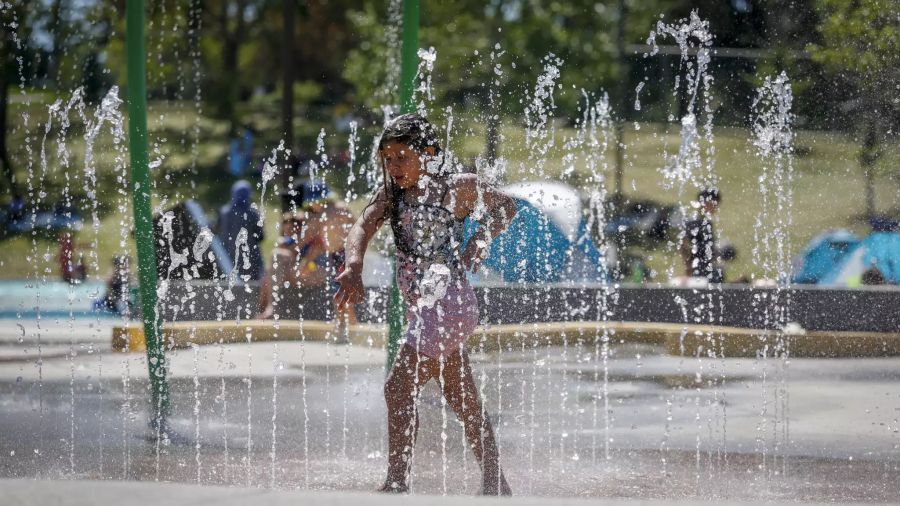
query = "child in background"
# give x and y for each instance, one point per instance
(71, 270)
(426, 206)
(329, 222)
(308, 255)
(117, 298)
(288, 268)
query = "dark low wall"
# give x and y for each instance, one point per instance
(734, 306)
(813, 308)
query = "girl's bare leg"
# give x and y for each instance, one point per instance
(462, 395)
(401, 392)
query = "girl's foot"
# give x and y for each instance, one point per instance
(489, 487)
(392, 487)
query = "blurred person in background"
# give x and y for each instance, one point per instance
(329, 223)
(72, 271)
(290, 264)
(117, 298)
(239, 214)
(700, 252)
(309, 255)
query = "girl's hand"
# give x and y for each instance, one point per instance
(351, 290)
(474, 254)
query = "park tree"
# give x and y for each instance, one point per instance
(47, 50)
(15, 29)
(860, 45)
(218, 36)
(199, 43)
(320, 40)
(67, 45)
(228, 25)
(471, 37)
(242, 41)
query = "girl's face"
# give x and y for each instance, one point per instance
(403, 163)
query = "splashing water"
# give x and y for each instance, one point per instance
(637, 95)
(773, 140)
(772, 128)
(241, 254)
(270, 167)
(427, 57)
(204, 240)
(539, 138)
(694, 39)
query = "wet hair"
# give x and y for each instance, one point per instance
(413, 130)
(419, 134)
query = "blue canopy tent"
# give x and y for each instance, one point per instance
(880, 250)
(547, 242)
(841, 258)
(822, 254)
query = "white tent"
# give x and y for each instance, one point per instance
(559, 201)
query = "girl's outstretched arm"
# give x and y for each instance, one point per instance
(351, 289)
(493, 209)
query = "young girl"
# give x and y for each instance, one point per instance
(426, 207)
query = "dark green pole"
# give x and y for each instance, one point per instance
(143, 217)
(409, 61)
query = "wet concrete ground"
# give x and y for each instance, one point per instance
(135, 493)
(311, 415)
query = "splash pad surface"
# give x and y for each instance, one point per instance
(22, 492)
(678, 427)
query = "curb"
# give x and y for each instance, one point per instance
(688, 340)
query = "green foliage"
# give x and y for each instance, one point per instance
(370, 65)
(471, 38)
(862, 37)
(306, 92)
(861, 44)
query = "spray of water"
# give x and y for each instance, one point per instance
(772, 126)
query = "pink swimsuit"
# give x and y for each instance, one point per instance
(441, 308)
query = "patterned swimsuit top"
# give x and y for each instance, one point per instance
(427, 233)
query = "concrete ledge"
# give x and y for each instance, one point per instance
(689, 340)
(734, 342)
(130, 338)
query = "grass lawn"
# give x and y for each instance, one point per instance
(828, 184)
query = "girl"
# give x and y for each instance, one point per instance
(425, 207)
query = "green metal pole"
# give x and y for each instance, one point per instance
(409, 61)
(143, 217)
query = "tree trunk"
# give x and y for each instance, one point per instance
(56, 29)
(287, 94)
(867, 158)
(287, 73)
(620, 101)
(8, 172)
(870, 193)
(231, 46)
